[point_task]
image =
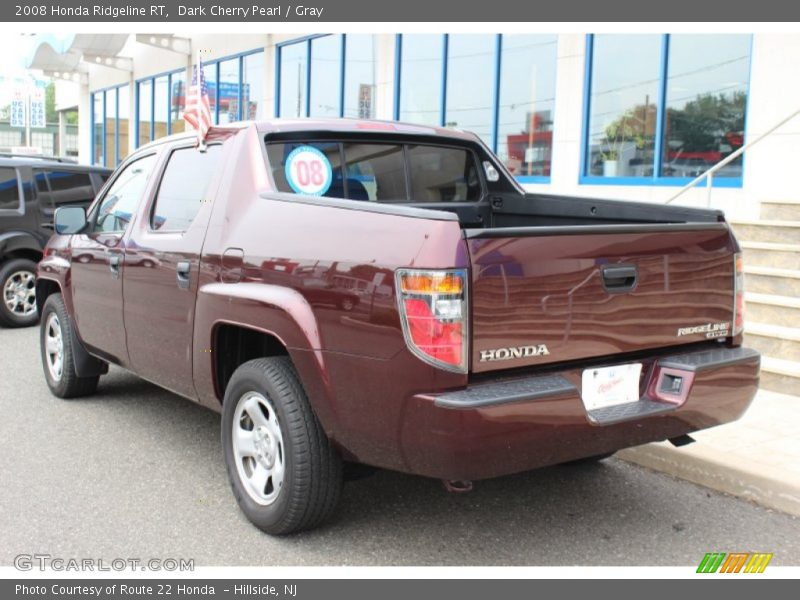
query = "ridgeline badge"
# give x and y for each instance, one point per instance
(712, 330)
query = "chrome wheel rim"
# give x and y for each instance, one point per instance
(258, 448)
(19, 293)
(54, 347)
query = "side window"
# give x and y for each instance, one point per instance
(117, 207)
(183, 187)
(375, 172)
(65, 187)
(307, 168)
(440, 174)
(9, 189)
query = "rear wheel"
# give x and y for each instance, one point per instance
(18, 285)
(58, 358)
(284, 472)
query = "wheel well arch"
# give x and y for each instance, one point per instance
(28, 253)
(233, 345)
(44, 289)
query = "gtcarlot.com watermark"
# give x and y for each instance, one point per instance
(44, 562)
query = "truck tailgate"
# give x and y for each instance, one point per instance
(554, 294)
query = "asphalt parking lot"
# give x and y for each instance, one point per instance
(137, 472)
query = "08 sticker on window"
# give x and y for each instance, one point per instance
(308, 171)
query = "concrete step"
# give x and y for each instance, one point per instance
(773, 340)
(779, 375)
(771, 280)
(770, 254)
(768, 308)
(778, 231)
(780, 210)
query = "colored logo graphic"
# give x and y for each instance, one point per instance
(734, 562)
(308, 171)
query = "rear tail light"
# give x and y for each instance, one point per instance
(738, 294)
(433, 312)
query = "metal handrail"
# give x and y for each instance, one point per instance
(728, 159)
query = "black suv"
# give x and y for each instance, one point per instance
(31, 188)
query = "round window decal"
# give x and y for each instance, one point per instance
(308, 171)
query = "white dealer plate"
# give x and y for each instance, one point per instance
(608, 386)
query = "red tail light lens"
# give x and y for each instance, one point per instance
(738, 294)
(433, 312)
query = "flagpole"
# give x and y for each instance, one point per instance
(201, 143)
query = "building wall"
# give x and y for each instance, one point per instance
(768, 169)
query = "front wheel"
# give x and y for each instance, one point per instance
(58, 358)
(283, 470)
(18, 285)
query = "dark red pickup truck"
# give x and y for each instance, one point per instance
(387, 294)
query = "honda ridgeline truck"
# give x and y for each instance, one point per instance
(347, 291)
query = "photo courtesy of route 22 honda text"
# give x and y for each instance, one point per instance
(362, 292)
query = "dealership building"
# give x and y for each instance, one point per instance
(607, 115)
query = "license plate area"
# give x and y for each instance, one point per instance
(604, 387)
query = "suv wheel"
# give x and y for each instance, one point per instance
(284, 472)
(18, 285)
(57, 357)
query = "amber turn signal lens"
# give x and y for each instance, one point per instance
(431, 283)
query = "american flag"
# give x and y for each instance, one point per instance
(198, 111)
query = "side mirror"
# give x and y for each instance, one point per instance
(69, 219)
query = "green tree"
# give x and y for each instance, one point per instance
(703, 122)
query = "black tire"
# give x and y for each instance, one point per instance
(11, 270)
(68, 384)
(590, 460)
(312, 469)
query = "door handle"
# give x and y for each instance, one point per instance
(619, 278)
(182, 271)
(114, 262)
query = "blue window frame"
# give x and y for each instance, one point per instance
(231, 80)
(662, 109)
(109, 124)
(502, 87)
(327, 76)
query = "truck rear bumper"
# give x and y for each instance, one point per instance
(502, 427)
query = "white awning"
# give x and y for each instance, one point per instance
(54, 54)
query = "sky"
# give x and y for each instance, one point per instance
(14, 48)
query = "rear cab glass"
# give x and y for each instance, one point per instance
(376, 171)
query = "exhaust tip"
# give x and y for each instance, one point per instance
(457, 486)
(682, 440)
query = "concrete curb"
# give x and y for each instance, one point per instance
(763, 484)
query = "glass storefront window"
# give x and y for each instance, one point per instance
(623, 105)
(253, 86)
(145, 107)
(470, 83)
(707, 82)
(161, 107)
(123, 122)
(421, 78)
(177, 101)
(228, 91)
(210, 74)
(326, 60)
(111, 126)
(361, 63)
(97, 142)
(527, 103)
(294, 62)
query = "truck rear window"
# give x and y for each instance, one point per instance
(375, 172)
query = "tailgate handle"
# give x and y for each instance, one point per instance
(619, 278)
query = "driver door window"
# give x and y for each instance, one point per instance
(115, 211)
